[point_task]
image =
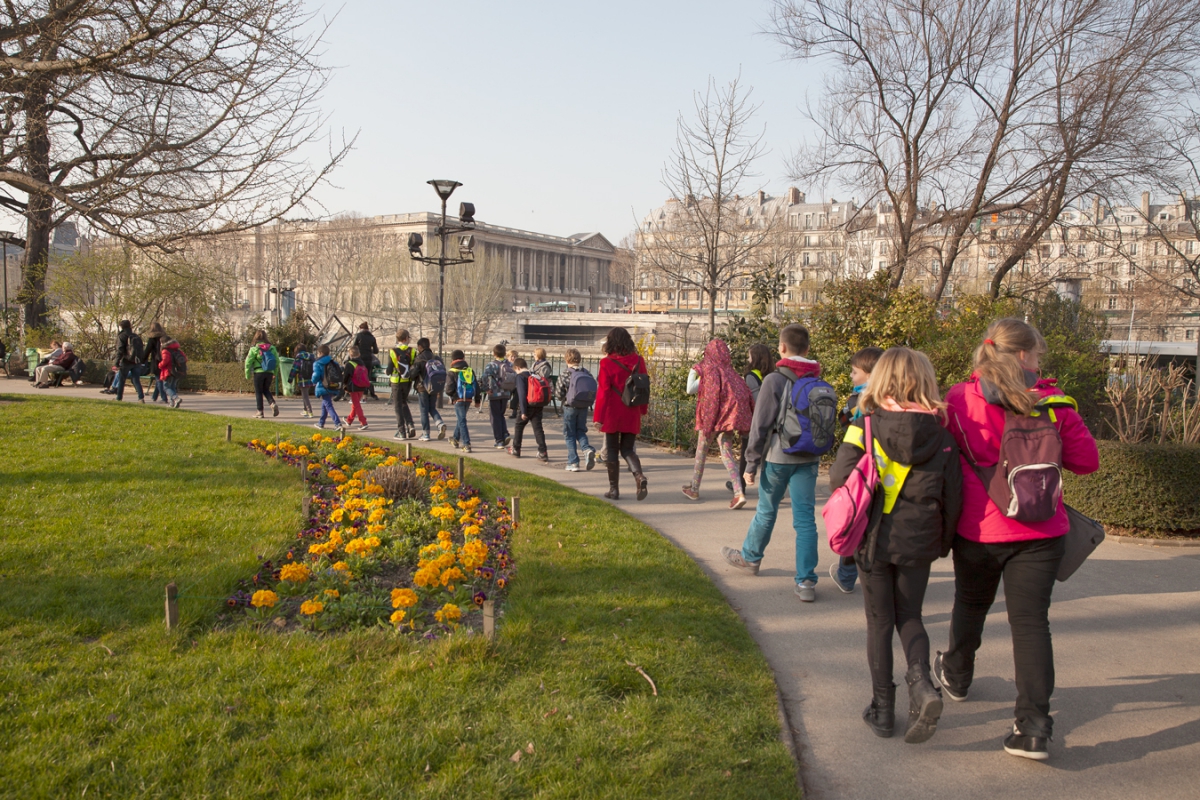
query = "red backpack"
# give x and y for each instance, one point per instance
(539, 391)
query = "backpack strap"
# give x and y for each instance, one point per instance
(785, 399)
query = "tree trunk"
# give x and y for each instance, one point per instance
(37, 235)
(712, 311)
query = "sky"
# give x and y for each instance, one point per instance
(556, 117)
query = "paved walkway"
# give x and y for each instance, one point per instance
(1126, 632)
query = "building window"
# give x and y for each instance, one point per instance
(992, 251)
(1081, 250)
(1191, 248)
(1112, 302)
(1188, 334)
(642, 295)
(1133, 249)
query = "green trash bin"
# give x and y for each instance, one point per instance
(288, 389)
(31, 359)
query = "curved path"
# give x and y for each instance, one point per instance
(1127, 638)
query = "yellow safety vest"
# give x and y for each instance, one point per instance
(892, 474)
(395, 376)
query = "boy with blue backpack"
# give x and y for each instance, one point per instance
(461, 388)
(576, 394)
(795, 423)
(429, 376)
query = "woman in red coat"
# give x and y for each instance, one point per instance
(620, 423)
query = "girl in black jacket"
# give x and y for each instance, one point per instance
(914, 516)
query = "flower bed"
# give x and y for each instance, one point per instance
(387, 542)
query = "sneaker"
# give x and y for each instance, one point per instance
(589, 459)
(365, 427)
(178, 402)
(738, 501)
(142, 400)
(424, 439)
(399, 435)
(544, 458)
(466, 448)
(501, 445)
(318, 426)
(259, 415)
(412, 433)
(513, 453)
(806, 591)
(690, 493)
(735, 559)
(507, 441)
(939, 675)
(274, 409)
(441, 430)
(1018, 744)
(454, 442)
(833, 569)
(572, 468)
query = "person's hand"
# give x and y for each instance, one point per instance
(748, 478)
(524, 418)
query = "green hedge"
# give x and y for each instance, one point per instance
(1148, 486)
(201, 377)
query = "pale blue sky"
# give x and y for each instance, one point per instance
(556, 116)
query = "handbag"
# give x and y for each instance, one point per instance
(1083, 537)
(848, 509)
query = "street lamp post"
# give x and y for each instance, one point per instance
(4, 237)
(466, 219)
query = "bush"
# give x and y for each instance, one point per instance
(205, 377)
(1147, 486)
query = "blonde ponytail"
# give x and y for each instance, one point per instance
(997, 360)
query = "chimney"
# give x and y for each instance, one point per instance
(793, 196)
(1145, 205)
(1096, 210)
(762, 197)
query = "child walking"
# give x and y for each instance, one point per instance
(326, 393)
(301, 374)
(529, 410)
(915, 513)
(358, 380)
(576, 392)
(723, 407)
(761, 364)
(794, 473)
(843, 571)
(461, 388)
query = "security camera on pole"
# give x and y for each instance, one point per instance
(466, 246)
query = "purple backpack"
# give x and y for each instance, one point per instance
(848, 509)
(1026, 482)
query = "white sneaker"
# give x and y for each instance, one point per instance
(572, 468)
(423, 439)
(441, 430)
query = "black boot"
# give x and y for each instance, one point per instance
(614, 478)
(639, 479)
(925, 704)
(880, 716)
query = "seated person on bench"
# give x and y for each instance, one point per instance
(66, 363)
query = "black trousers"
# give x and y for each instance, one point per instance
(498, 406)
(893, 596)
(539, 435)
(404, 418)
(263, 381)
(1028, 570)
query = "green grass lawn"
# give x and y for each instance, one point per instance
(103, 505)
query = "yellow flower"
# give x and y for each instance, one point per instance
(342, 567)
(444, 536)
(397, 617)
(363, 546)
(322, 549)
(471, 530)
(296, 573)
(303, 450)
(376, 515)
(334, 593)
(422, 472)
(450, 576)
(426, 577)
(311, 607)
(452, 484)
(338, 515)
(316, 437)
(449, 614)
(264, 598)
(403, 598)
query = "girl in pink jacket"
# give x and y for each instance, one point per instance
(991, 545)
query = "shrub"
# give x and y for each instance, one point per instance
(205, 377)
(1146, 485)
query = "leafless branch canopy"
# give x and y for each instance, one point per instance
(948, 110)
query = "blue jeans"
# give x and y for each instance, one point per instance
(169, 390)
(575, 431)
(460, 427)
(327, 410)
(800, 481)
(136, 372)
(847, 574)
(428, 405)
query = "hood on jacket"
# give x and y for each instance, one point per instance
(171, 345)
(801, 366)
(264, 346)
(631, 360)
(907, 437)
(324, 359)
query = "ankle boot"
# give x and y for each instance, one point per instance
(880, 716)
(614, 478)
(925, 704)
(639, 479)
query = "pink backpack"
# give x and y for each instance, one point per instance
(848, 509)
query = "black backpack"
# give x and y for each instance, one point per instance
(637, 388)
(137, 350)
(334, 376)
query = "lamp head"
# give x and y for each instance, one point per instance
(444, 188)
(466, 245)
(466, 213)
(415, 241)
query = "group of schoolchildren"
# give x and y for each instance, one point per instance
(158, 355)
(976, 475)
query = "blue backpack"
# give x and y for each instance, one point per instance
(267, 360)
(465, 387)
(807, 422)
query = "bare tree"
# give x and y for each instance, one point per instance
(952, 113)
(706, 241)
(475, 296)
(156, 120)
